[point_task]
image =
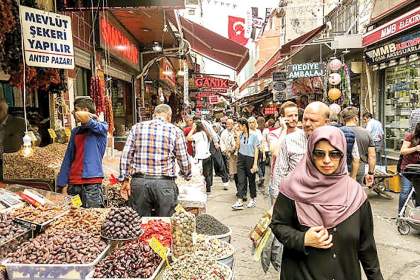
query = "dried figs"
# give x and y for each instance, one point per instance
(122, 223)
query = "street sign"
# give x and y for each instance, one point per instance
(279, 76)
(279, 86)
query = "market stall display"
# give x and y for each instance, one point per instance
(38, 217)
(9, 200)
(121, 223)
(158, 229)
(44, 163)
(11, 235)
(133, 260)
(197, 266)
(209, 225)
(183, 229)
(81, 220)
(113, 195)
(214, 248)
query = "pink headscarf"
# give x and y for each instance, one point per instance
(323, 200)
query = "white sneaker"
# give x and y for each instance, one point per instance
(239, 205)
(225, 186)
(252, 203)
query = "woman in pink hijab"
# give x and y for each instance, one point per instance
(323, 218)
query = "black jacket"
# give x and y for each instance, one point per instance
(353, 243)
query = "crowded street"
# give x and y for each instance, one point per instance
(209, 140)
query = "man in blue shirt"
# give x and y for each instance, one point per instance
(376, 131)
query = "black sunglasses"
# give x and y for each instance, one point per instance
(333, 155)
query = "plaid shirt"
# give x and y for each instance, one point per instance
(151, 149)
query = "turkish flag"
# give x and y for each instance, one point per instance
(236, 30)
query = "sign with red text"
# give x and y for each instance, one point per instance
(166, 72)
(210, 83)
(47, 39)
(402, 23)
(270, 110)
(119, 44)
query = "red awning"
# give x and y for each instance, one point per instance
(214, 46)
(271, 63)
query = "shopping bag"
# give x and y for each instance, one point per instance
(260, 229)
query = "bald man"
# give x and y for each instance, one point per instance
(293, 146)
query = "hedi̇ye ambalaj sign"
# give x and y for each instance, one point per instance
(48, 39)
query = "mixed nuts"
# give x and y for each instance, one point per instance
(183, 229)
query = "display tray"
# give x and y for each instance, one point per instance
(37, 228)
(156, 273)
(18, 271)
(10, 245)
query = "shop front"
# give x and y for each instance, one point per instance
(396, 65)
(120, 64)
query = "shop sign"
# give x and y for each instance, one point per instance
(210, 83)
(305, 70)
(213, 99)
(166, 72)
(279, 76)
(48, 39)
(403, 46)
(87, 4)
(404, 22)
(118, 43)
(279, 86)
(270, 110)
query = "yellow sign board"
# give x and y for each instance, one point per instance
(159, 249)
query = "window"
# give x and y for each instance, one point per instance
(191, 12)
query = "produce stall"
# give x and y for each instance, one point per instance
(40, 169)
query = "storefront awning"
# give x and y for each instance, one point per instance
(214, 46)
(267, 69)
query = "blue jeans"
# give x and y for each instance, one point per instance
(92, 196)
(405, 191)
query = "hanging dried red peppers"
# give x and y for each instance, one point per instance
(109, 114)
(97, 92)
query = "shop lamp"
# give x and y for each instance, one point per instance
(27, 150)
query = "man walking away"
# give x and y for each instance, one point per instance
(365, 145)
(149, 159)
(228, 148)
(377, 133)
(81, 171)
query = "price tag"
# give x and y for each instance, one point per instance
(68, 132)
(76, 201)
(52, 134)
(159, 249)
(179, 208)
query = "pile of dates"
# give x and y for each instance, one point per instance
(8, 229)
(81, 220)
(133, 260)
(122, 223)
(64, 247)
(114, 196)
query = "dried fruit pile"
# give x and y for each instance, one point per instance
(196, 266)
(122, 223)
(183, 227)
(44, 163)
(159, 229)
(209, 225)
(64, 247)
(81, 220)
(114, 196)
(133, 260)
(214, 248)
(37, 215)
(9, 229)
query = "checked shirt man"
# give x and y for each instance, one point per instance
(149, 159)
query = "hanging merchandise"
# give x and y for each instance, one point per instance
(109, 114)
(334, 79)
(334, 94)
(335, 108)
(347, 82)
(335, 64)
(97, 92)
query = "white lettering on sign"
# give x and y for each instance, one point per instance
(389, 30)
(305, 70)
(48, 39)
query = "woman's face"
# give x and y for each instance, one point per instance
(242, 128)
(326, 158)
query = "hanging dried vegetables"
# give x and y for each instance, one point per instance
(97, 92)
(10, 37)
(109, 114)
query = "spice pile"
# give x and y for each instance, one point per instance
(44, 163)
(121, 223)
(214, 248)
(159, 229)
(209, 225)
(37, 215)
(196, 266)
(133, 260)
(183, 227)
(81, 220)
(8, 229)
(61, 247)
